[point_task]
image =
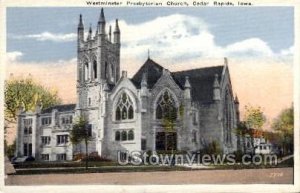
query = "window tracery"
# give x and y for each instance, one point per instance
(124, 108)
(166, 107)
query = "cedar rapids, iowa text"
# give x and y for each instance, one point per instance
(169, 3)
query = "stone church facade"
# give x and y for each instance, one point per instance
(154, 110)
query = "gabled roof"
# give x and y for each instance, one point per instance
(60, 108)
(201, 79)
(153, 73)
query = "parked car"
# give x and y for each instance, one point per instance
(18, 160)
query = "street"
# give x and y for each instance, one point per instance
(246, 176)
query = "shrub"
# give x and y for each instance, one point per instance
(95, 157)
(78, 157)
(238, 155)
(211, 148)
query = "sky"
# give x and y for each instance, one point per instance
(258, 42)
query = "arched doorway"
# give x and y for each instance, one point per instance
(166, 141)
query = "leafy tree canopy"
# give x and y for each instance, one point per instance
(254, 117)
(285, 122)
(79, 132)
(26, 93)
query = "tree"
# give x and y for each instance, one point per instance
(254, 117)
(251, 127)
(81, 133)
(284, 125)
(27, 94)
(9, 150)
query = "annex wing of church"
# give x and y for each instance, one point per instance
(154, 110)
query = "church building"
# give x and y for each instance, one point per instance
(155, 110)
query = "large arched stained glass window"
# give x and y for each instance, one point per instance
(166, 107)
(124, 108)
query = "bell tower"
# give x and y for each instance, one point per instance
(98, 61)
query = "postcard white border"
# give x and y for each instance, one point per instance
(151, 188)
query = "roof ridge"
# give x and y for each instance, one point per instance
(197, 69)
(153, 62)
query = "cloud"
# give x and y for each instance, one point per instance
(287, 52)
(250, 47)
(174, 38)
(181, 38)
(14, 56)
(48, 36)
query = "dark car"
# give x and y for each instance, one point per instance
(18, 160)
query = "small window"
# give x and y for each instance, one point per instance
(123, 156)
(86, 71)
(89, 130)
(117, 136)
(45, 140)
(194, 136)
(30, 130)
(66, 120)
(27, 126)
(30, 149)
(25, 131)
(95, 69)
(45, 157)
(130, 135)
(124, 136)
(25, 149)
(106, 70)
(61, 157)
(89, 101)
(61, 139)
(143, 143)
(195, 122)
(46, 120)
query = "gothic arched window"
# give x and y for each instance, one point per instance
(86, 71)
(118, 136)
(95, 69)
(106, 70)
(124, 136)
(130, 135)
(124, 108)
(111, 72)
(166, 107)
(194, 136)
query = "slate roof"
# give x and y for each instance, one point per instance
(60, 108)
(153, 72)
(201, 79)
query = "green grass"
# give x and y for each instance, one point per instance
(102, 170)
(63, 164)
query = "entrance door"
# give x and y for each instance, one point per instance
(166, 140)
